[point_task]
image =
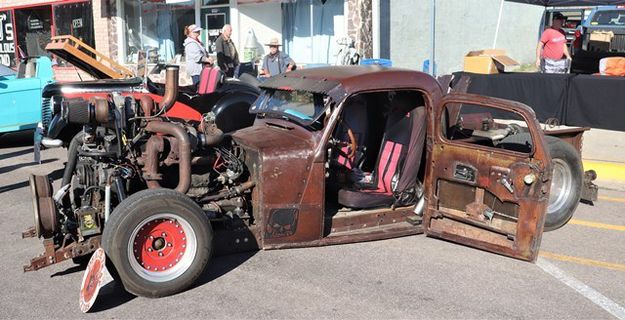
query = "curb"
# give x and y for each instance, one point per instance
(612, 173)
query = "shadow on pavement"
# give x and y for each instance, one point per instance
(221, 265)
(74, 269)
(17, 139)
(111, 295)
(54, 175)
(16, 153)
(21, 165)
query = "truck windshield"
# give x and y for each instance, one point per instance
(608, 18)
(301, 106)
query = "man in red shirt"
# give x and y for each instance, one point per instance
(552, 54)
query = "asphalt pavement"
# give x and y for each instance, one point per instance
(579, 275)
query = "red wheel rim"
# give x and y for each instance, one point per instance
(159, 244)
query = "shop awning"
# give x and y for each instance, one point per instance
(571, 3)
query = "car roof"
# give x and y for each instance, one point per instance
(346, 80)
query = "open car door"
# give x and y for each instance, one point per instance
(482, 191)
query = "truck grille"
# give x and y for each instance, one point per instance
(46, 113)
(618, 43)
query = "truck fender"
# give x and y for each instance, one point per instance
(232, 112)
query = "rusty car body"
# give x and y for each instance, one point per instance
(161, 194)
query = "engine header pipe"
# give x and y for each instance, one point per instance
(171, 88)
(184, 150)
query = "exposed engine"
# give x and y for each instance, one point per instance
(128, 145)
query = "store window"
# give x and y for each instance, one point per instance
(317, 44)
(34, 28)
(155, 27)
(7, 39)
(26, 31)
(75, 19)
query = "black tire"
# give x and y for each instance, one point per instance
(133, 242)
(566, 161)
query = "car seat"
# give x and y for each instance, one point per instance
(354, 118)
(397, 165)
(210, 79)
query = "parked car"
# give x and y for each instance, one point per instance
(21, 106)
(601, 19)
(335, 155)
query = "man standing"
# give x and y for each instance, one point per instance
(227, 55)
(552, 54)
(276, 62)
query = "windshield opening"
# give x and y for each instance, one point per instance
(609, 18)
(300, 106)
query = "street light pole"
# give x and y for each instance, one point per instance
(433, 39)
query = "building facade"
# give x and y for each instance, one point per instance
(122, 29)
(309, 29)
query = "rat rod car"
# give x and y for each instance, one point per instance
(335, 155)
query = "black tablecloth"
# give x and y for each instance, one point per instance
(575, 100)
(596, 102)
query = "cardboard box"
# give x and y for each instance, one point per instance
(489, 61)
(601, 36)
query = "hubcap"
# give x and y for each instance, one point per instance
(561, 183)
(162, 247)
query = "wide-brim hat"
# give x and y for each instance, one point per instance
(274, 42)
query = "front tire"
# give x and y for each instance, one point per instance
(159, 241)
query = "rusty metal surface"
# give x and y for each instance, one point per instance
(572, 136)
(287, 177)
(378, 233)
(341, 81)
(184, 152)
(349, 221)
(494, 170)
(53, 255)
(171, 88)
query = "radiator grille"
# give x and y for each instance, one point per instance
(46, 112)
(618, 43)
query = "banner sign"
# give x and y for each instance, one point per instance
(7, 41)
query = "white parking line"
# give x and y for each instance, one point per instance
(591, 294)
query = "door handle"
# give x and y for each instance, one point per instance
(505, 181)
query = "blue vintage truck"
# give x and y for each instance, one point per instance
(21, 105)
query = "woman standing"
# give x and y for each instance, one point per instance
(195, 53)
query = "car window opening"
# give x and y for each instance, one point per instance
(376, 153)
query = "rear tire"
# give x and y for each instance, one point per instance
(159, 242)
(566, 181)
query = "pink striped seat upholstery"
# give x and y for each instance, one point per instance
(404, 135)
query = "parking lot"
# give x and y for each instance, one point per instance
(580, 272)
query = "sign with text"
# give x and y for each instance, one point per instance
(7, 40)
(77, 23)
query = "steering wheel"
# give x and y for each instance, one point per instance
(353, 144)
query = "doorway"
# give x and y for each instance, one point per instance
(213, 19)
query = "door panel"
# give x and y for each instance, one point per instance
(20, 104)
(482, 193)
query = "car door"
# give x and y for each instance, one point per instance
(484, 192)
(20, 101)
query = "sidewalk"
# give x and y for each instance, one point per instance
(604, 152)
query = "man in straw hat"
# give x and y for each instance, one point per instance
(276, 62)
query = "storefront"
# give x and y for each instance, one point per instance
(25, 30)
(308, 28)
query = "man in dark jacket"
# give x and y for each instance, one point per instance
(227, 56)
